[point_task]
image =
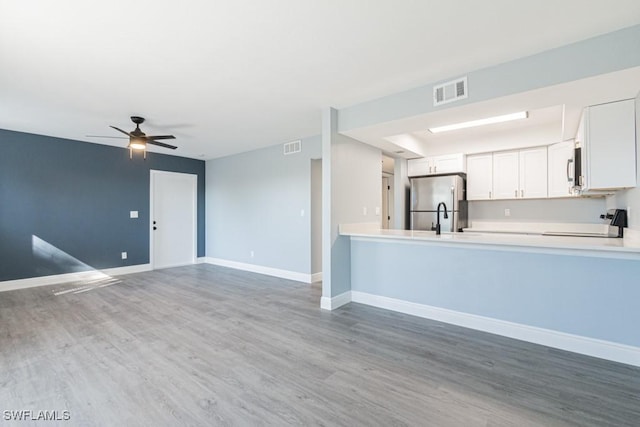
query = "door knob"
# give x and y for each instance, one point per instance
(155, 228)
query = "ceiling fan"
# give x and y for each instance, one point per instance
(138, 140)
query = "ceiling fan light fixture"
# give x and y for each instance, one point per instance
(137, 144)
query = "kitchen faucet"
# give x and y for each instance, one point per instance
(438, 216)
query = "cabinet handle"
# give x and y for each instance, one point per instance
(489, 194)
(434, 169)
(521, 193)
(429, 169)
(516, 193)
(569, 178)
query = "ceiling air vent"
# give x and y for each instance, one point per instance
(292, 147)
(450, 91)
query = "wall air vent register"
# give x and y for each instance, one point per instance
(454, 90)
(292, 147)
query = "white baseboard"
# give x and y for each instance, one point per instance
(575, 343)
(269, 271)
(32, 282)
(327, 303)
(316, 277)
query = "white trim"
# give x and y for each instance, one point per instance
(152, 174)
(338, 301)
(261, 269)
(578, 344)
(32, 282)
(316, 277)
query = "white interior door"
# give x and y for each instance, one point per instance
(173, 219)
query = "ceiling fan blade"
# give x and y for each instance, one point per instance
(105, 136)
(120, 130)
(161, 137)
(161, 144)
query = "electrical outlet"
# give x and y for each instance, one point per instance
(251, 253)
(377, 210)
(301, 212)
(364, 210)
(133, 214)
(507, 212)
(124, 255)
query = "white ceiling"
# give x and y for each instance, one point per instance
(554, 114)
(231, 76)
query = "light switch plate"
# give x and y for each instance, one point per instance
(124, 255)
(133, 214)
(507, 212)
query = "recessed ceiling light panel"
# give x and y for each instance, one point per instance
(481, 122)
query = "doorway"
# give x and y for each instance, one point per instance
(388, 166)
(173, 233)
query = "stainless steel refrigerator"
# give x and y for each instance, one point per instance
(428, 191)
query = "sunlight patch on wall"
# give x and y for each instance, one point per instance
(45, 252)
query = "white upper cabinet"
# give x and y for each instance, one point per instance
(516, 174)
(449, 163)
(480, 176)
(560, 172)
(533, 173)
(418, 167)
(505, 175)
(607, 136)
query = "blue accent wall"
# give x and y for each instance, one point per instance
(76, 196)
(586, 296)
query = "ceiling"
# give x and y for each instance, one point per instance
(553, 116)
(231, 76)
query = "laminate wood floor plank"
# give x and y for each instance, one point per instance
(206, 345)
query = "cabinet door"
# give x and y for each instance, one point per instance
(610, 143)
(418, 167)
(480, 177)
(506, 175)
(533, 173)
(560, 173)
(448, 163)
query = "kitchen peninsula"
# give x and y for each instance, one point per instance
(575, 293)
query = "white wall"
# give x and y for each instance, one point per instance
(316, 216)
(578, 210)
(401, 186)
(351, 184)
(254, 202)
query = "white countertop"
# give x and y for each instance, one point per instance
(627, 248)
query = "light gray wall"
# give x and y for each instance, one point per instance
(316, 216)
(581, 210)
(591, 297)
(602, 54)
(401, 186)
(254, 202)
(354, 183)
(630, 199)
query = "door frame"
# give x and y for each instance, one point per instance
(391, 200)
(194, 189)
